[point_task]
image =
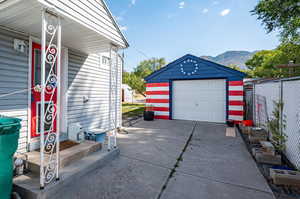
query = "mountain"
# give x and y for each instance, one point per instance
(232, 57)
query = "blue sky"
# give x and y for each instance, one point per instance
(173, 28)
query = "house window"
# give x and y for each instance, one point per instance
(105, 60)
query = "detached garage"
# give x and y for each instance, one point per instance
(192, 88)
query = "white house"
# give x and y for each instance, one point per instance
(127, 93)
(75, 45)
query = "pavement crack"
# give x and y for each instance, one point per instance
(176, 165)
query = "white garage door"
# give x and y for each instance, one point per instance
(199, 100)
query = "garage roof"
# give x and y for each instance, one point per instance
(193, 67)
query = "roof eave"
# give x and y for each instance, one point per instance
(116, 25)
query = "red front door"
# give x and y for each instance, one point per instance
(50, 95)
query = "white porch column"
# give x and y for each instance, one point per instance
(113, 97)
(42, 113)
(50, 97)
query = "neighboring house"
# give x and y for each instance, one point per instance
(127, 94)
(130, 95)
(83, 87)
(192, 88)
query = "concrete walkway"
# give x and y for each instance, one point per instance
(176, 159)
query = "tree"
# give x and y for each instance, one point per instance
(282, 15)
(135, 79)
(235, 67)
(147, 67)
(263, 63)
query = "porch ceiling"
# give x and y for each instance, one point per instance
(25, 16)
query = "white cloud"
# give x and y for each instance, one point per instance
(215, 2)
(181, 4)
(225, 12)
(132, 3)
(205, 10)
(170, 16)
(123, 28)
(119, 18)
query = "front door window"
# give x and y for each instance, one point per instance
(50, 97)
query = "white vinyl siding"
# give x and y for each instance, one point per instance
(88, 78)
(14, 77)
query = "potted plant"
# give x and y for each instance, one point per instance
(276, 126)
(149, 113)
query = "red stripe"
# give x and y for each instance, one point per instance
(236, 113)
(157, 92)
(236, 83)
(238, 121)
(236, 93)
(236, 103)
(163, 117)
(157, 100)
(157, 84)
(159, 108)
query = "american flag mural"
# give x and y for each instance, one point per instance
(158, 98)
(159, 86)
(236, 101)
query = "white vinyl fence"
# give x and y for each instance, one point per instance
(289, 91)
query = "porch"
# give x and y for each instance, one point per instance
(64, 44)
(28, 185)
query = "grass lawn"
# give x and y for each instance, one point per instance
(130, 110)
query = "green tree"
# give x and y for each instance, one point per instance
(147, 67)
(135, 79)
(282, 15)
(263, 63)
(236, 67)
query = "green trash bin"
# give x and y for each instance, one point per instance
(9, 135)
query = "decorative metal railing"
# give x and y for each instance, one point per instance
(50, 98)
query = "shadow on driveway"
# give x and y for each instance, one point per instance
(213, 166)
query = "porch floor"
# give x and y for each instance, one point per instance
(67, 154)
(28, 185)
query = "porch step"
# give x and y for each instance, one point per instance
(67, 156)
(28, 185)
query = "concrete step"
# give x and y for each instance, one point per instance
(28, 185)
(67, 156)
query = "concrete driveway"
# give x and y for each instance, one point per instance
(176, 159)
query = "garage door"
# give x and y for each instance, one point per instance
(199, 100)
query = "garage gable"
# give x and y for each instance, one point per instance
(192, 67)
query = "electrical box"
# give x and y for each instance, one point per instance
(19, 45)
(76, 133)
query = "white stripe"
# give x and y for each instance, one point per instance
(236, 88)
(236, 108)
(236, 98)
(158, 104)
(235, 117)
(162, 113)
(166, 88)
(157, 96)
